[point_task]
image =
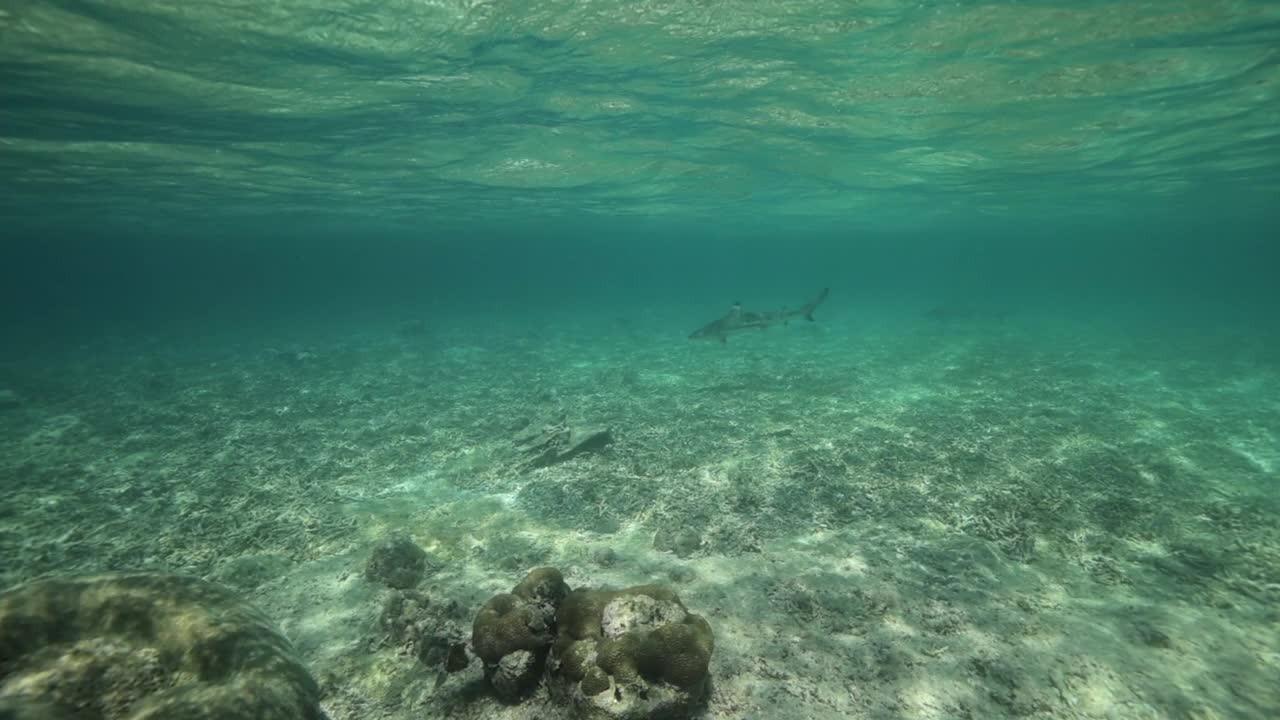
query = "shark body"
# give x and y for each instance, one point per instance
(738, 320)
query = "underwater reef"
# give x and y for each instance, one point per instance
(157, 646)
(631, 654)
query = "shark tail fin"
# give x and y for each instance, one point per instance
(809, 308)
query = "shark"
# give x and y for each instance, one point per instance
(738, 320)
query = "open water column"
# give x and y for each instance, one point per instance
(617, 360)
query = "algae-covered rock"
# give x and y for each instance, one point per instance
(684, 542)
(144, 646)
(247, 572)
(419, 627)
(558, 442)
(516, 673)
(397, 562)
(513, 631)
(630, 654)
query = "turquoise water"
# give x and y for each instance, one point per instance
(280, 280)
(372, 152)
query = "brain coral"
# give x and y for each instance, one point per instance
(514, 630)
(631, 654)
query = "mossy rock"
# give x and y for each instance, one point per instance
(506, 624)
(421, 627)
(144, 646)
(513, 632)
(247, 572)
(630, 654)
(544, 585)
(684, 542)
(397, 562)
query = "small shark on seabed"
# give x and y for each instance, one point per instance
(738, 319)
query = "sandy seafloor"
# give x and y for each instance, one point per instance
(970, 513)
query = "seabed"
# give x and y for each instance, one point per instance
(904, 515)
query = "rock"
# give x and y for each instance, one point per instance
(397, 562)
(557, 442)
(684, 542)
(516, 674)
(145, 645)
(247, 572)
(513, 632)
(457, 659)
(418, 627)
(682, 574)
(632, 654)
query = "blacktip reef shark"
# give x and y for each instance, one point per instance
(739, 320)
